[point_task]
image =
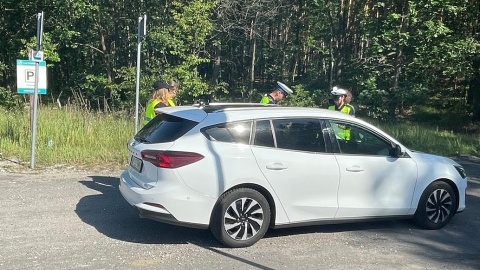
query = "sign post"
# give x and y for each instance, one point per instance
(142, 31)
(37, 58)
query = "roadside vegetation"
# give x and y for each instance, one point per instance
(72, 136)
(413, 67)
(68, 136)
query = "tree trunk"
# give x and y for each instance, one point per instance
(474, 90)
(395, 98)
(216, 66)
(254, 49)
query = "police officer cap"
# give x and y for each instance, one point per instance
(160, 85)
(285, 89)
(338, 91)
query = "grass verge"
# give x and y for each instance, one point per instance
(66, 136)
(75, 137)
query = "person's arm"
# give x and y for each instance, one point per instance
(159, 105)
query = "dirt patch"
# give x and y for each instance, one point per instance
(16, 166)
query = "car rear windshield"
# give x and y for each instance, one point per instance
(164, 128)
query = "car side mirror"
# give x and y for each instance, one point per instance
(397, 151)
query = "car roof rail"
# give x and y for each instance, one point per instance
(219, 106)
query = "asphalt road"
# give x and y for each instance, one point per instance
(77, 219)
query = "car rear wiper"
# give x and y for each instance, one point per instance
(140, 139)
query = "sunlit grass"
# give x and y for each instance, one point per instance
(86, 138)
(66, 136)
(432, 139)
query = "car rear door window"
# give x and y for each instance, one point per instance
(234, 132)
(303, 134)
(164, 128)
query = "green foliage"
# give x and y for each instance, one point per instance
(445, 119)
(124, 92)
(392, 55)
(9, 100)
(49, 48)
(303, 97)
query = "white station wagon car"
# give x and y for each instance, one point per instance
(240, 170)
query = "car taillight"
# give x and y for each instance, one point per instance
(170, 159)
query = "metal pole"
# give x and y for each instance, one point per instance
(137, 86)
(142, 30)
(34, 129)
(35, 91)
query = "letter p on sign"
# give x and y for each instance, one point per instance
(30, 76)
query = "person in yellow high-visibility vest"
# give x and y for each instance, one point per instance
(277, 94)
(158, 100)
(338, 96)
(339, 99)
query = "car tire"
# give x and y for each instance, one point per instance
(241, 218)
(436, 206)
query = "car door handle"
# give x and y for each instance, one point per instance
(355, 168)
(276, 166)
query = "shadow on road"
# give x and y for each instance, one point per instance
(112, 216)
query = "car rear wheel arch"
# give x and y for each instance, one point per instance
(241, 217)
(262, 190)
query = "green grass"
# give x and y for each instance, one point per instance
(78, 137)
(432, 139)
(82, 138)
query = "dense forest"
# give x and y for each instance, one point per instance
(393, 55)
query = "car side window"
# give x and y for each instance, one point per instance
(235, 132)
(299, 134)
(263, 134)
(353, 139)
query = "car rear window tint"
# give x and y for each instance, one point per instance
(299, 134)
(263, 134)
(164, 128)
(235, 132)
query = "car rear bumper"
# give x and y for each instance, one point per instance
(167, 218)
(173, 204)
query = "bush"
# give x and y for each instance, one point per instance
(9, 100)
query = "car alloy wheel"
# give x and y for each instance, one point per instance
(241, 217)
(436, 206)
(439, 206)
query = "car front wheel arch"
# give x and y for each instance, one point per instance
(436, 206)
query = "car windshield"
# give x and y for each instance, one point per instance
(164, 128)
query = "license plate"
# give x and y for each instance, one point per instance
(136, 163)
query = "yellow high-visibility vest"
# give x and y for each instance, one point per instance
(267, 99)
(150, 110)
(342, 131)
